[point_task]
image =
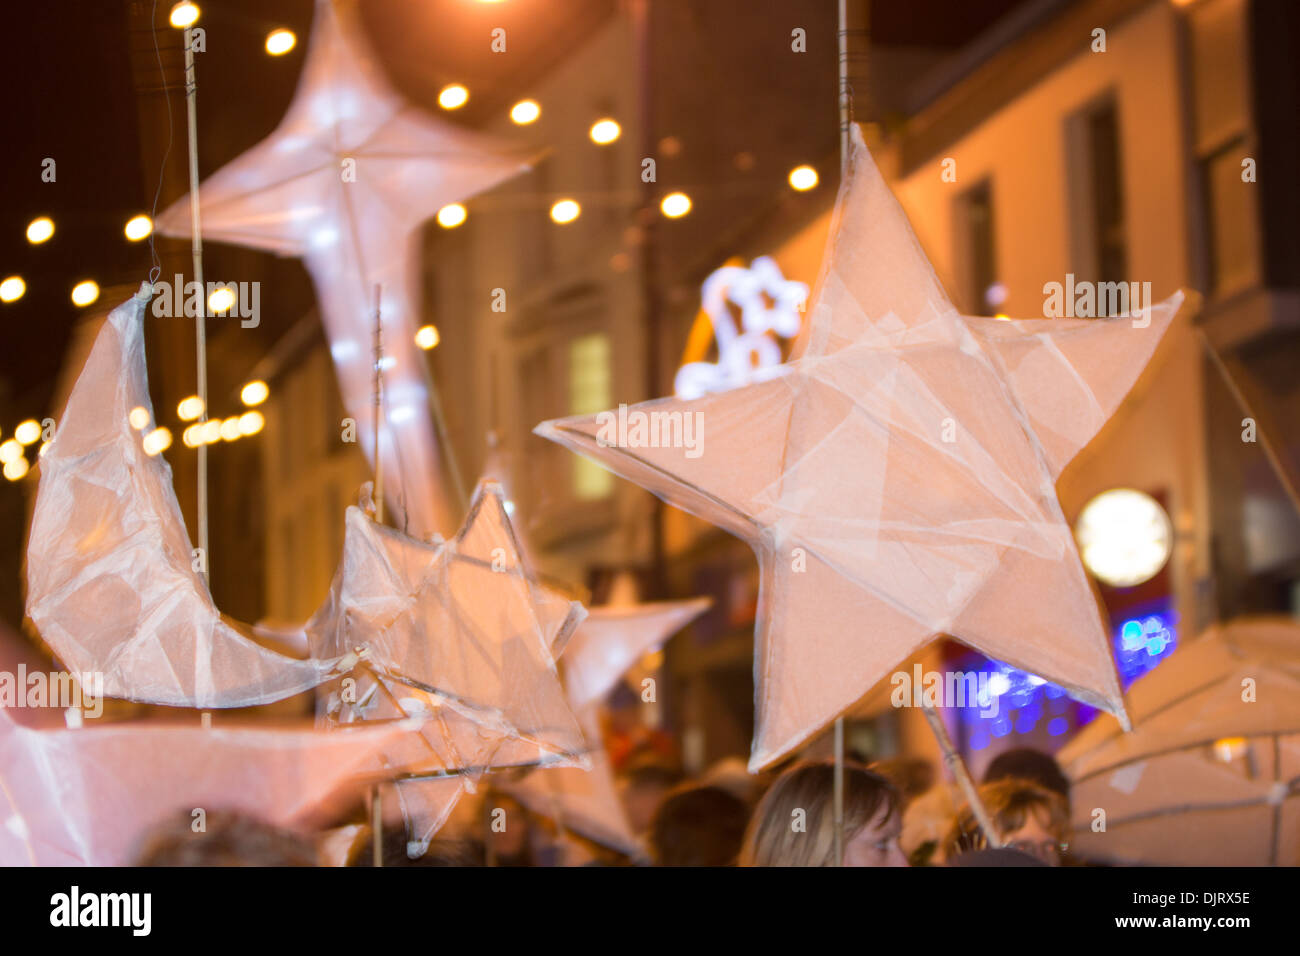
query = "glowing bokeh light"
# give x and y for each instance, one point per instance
(565, 210)
(604, 132)
(453, 96)
(675, 205)
(254, 392)
(221, 300)
(250, 423)
(1124, 537)
(525, 112)
(280, 42)
(38, 230)
(189, 408)
(184, 14)
(157, 441)
(28, 432)
(138, 227)
(12, 289)
(85, 292)
(451, 216)
(803, 178)
(427, 337)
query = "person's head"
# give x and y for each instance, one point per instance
(698, 826)
(912, 776)
(1025, 763)
(794, 824)
(226, 838)
(732, 774)
(645, 785)
(1027, 817)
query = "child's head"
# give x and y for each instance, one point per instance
(794, 824)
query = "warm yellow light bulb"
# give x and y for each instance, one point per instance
(85, 292)
(28, 432)
(604, 132)
(189, 408)
(675, 205)
(138, 227)
(280, 42)
(525, 112)
(254, 393)
(38, 230)
(250, 423)
(449, 217)
(12, 289)
(184, 14)
(453, 96)
(566, 210)
(803, 178)
(157, 441)
(427, 337)
(221, 300)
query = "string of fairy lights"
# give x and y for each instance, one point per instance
(604, 131)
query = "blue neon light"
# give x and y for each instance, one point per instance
(1024, 700)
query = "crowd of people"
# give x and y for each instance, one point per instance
(894, 813)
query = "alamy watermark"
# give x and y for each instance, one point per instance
(1086, 300)
(133, 911)
(943, 689)
(189, 299)
(61, 689)
(634, 428)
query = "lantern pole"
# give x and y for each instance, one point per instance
(200, 320)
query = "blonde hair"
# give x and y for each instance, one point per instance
(773, 840)
(1009, 802)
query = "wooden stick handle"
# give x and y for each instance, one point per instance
(963, 778)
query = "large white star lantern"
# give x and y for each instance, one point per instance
(897, 482)
(345, 182)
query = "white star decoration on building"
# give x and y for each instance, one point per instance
(751, 354)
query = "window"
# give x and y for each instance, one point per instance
(975, 217)
(1095, 197)
(1106, 197)
(1229, 220)
(590, 392)
(1221, 116)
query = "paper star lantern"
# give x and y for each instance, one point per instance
(1202, 758)
(87, 797)
(612, 639)
(345, 182)
(607, 644)
(111, 579)
(897, 482)
(457, 633)
(584, 801)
